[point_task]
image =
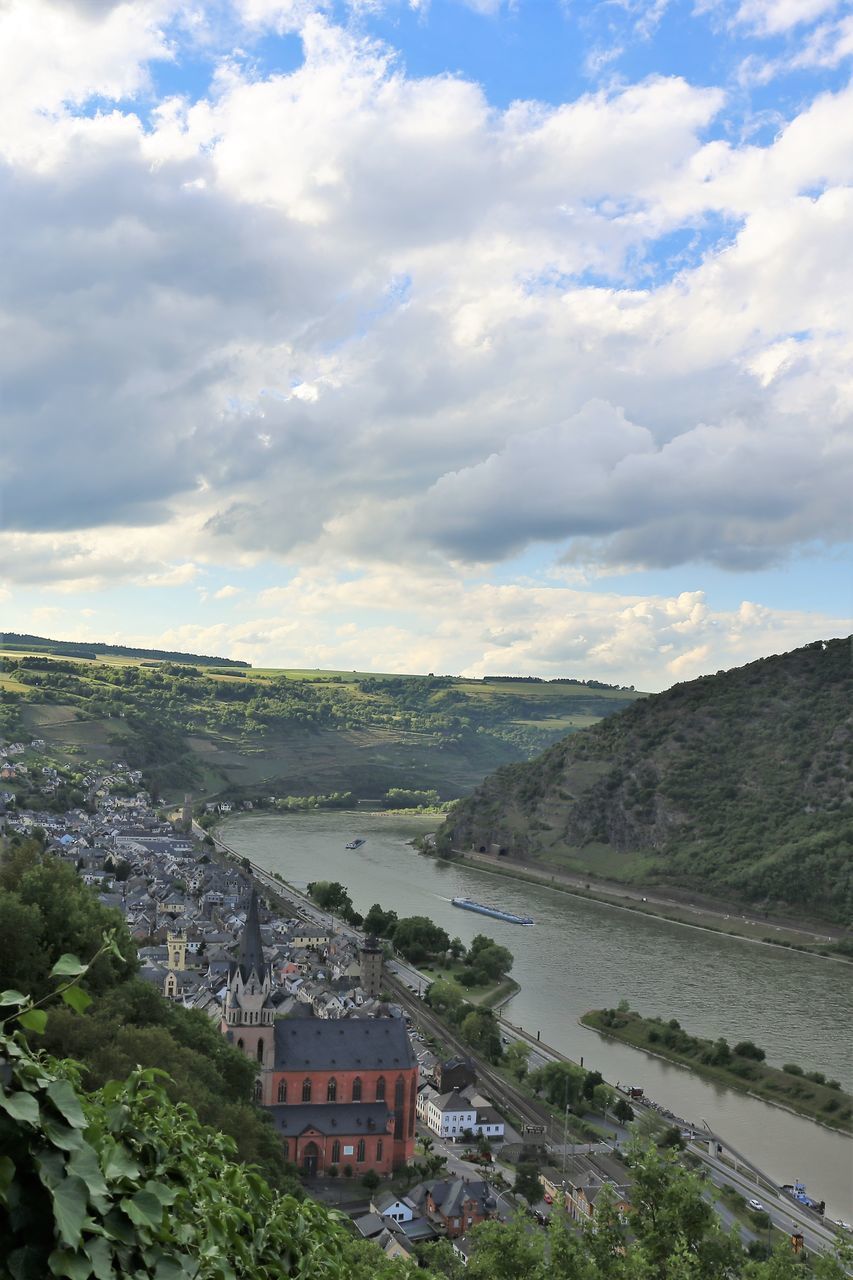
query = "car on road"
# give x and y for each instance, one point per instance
(756, 1206)
(549, 1199)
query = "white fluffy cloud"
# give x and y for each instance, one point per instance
(476, 629)
(347, 316)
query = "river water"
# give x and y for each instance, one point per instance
(586, 955)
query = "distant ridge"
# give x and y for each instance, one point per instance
(12, 640)
(738, 785)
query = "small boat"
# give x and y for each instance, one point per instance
(467, 905)
(355, 844)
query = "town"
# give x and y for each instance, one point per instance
(408, 1139)
(351, 1086)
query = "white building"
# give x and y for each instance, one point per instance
(450, 1115)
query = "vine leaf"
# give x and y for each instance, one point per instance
(144, 1209)
(64, 1098)
(66, 1262)
(69, 1208)
(118, 1162)
(12, 997)
(20, 1106)
(76, 998)
(68, 966)
(33, 1020)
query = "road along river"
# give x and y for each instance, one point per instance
(583, 954)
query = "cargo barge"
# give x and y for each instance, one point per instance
(467, 905)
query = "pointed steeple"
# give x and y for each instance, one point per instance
(250, 954)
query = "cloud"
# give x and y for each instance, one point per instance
(226, 593)
(770, 17)
(452, 625)
(351, 315)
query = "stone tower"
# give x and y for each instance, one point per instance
(176, 942)
(249, 1013)
(370, 965)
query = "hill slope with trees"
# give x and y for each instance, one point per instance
(243, 733)
(738, 785)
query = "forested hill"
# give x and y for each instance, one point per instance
(737, 784)
(244, 734)
(14, 642)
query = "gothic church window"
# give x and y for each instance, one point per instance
(282, 1091)
(356, 1089)
(332, 1090)
(306, 1090)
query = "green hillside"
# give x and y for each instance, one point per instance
(737, 785)
(246, 732)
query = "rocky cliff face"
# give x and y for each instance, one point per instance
(740, 783)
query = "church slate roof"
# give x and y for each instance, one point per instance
(251, 951)
(342, 1044)
(341, 1119)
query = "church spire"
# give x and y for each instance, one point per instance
(250, 954)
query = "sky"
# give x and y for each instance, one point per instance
(464, 336)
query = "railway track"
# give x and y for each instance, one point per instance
(502, 1091)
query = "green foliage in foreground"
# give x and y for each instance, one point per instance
(124, 1183)
(46, 910)
(740, 1067)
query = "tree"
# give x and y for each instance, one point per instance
(591, 1082)
(623, 1111)
(457, 948)
(371, 1180)
(419, 938)
(602, 1097)
(515, 1058)
(447, 998)
(560, 1082)
(479, 1028)
(506, 1252)
(486, 961)
(379, 921)
(527, 1183)
(746, 1049)
(441, 1259)
(671, 1219)
(331, 896)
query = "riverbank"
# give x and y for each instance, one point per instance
(794, 1091)
(810, 941)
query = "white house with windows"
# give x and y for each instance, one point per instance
(451, 1114)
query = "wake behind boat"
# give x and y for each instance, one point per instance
(355, 844)
(467, 905)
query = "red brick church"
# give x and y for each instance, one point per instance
(341, 1091)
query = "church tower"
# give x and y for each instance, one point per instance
(176, 942)
(249, 1013)
(370, 965)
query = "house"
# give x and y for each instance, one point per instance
(454, 1205)
(400, 1208)
(450, 1115)
(588, 1177)
(455, 1073)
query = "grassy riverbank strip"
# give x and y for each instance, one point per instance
(739, 1067)
(631, 899)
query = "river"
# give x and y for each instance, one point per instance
(584, 954)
